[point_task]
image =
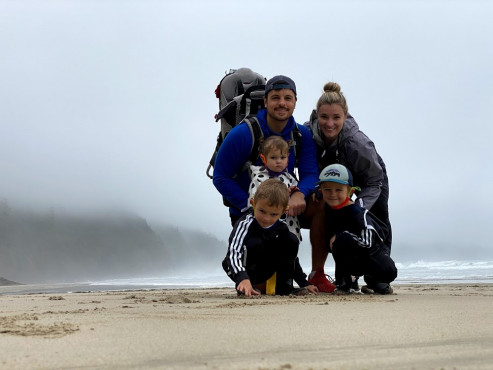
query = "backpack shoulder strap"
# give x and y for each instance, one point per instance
(257, 140)
(296, 143)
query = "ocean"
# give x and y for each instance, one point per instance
(420, 272)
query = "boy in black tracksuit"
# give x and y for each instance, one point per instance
(261, 245)
(355, 236)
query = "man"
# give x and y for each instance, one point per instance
(276, 119)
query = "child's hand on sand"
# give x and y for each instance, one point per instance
(245, 287)
(312, 289)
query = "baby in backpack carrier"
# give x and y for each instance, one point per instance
(274, 155)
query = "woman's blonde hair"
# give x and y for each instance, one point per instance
(332, 95)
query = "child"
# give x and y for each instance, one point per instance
(261, 245)
(274, 155)
(355, 235)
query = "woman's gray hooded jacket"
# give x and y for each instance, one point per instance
(357, 152)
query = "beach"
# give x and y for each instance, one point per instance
(442, 326)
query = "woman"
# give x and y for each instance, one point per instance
(339, 140)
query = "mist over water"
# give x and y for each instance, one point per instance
(51, 247)
(120, 249)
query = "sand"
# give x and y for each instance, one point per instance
(418, 327)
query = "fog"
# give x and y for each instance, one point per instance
(109, 105)
(52, 247)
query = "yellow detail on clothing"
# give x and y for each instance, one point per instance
(270, 288)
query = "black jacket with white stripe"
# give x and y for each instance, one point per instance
(356, 225)
(276, 241)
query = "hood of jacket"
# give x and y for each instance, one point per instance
(286, 132)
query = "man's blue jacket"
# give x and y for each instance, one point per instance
(234, 153)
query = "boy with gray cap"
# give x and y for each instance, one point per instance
(355, 236)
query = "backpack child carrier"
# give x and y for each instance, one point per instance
(241, 95)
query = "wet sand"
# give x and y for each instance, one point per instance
(418, 327)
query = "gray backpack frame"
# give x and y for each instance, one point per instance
(241, 95)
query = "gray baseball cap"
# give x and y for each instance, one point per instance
(336, 173)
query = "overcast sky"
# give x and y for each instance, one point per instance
(111, 103)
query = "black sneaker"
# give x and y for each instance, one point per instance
(354, 285)
(378, 288)
(284, 288)
(343, 285)
(342, 291)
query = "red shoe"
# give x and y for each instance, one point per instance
(319, 279)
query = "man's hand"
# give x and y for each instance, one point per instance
(297, 204)
(245, 286)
